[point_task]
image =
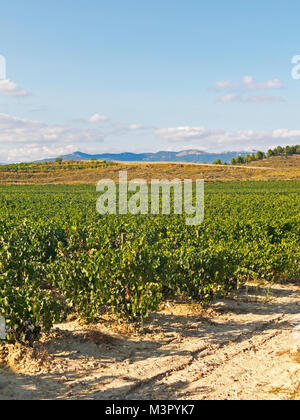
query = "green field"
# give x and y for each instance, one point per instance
(58, 256)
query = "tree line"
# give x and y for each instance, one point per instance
(278, 151)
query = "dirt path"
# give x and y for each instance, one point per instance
(240, 348)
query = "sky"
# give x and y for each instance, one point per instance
(143, 76)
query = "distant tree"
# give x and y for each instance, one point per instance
(253, 158)
(270, 153)
(240, 160)
(248, 159)
(59, 161)
(288, 150)
(260, 155)
(279, 151)
(218, 162)
(233, 161)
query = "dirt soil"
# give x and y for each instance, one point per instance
(240, 348)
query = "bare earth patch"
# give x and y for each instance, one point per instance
(240, 348)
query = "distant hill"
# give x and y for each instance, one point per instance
(278, 162)
(186, 156)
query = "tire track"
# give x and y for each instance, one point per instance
(204, 353)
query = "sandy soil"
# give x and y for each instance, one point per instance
(240, 348)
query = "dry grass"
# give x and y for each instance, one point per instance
(18, 357)
(279, 162)
(278, 168)
(296, 394)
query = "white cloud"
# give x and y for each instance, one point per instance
(233, 97)
(284, 133)
(135, 127)
(230, 97)
(262, 99)
(9, 88)
(97, 118)
(32, 152)
(185, 133)
(17, 130)
(251, 84)
(120, 129)
(223, 85)
(26, 139)
(248, 84)
(220, 140)
(22, 138)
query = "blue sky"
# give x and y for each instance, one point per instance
(129, 75)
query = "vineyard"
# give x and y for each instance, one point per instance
(59, 257)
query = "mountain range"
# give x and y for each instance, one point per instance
(186, 156)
